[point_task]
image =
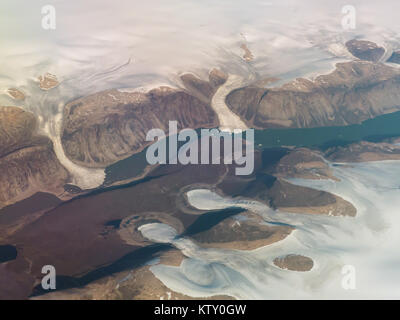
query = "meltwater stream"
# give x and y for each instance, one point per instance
(368, 242)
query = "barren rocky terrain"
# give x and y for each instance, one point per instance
(365, 50)
(294, 262)
(354, 92)
(108, 126)
(27, 160)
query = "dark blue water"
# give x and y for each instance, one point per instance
(7, 253)
(375, 130)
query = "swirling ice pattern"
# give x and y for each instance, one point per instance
(368, 242)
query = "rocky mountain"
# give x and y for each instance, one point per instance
(111, 125)
(204, 90)
(365, 50)
(294, 262)
(48, 81)
(16, 94)
(303, 163)
(291, 198)
(16, 127)
(247, 234)
(364, 151)
(353, 92)
(27, 161)
(268, 184)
